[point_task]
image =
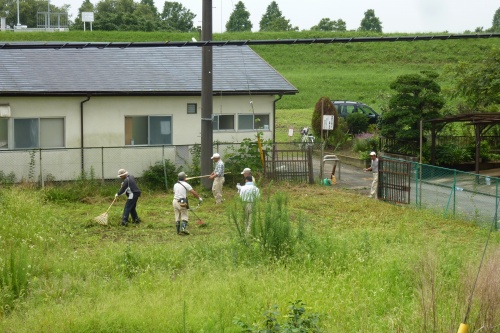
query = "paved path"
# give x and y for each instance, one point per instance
(348, 176)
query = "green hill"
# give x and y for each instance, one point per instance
(351, 71)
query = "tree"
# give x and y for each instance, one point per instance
(418, 97)
(27, 11)
(370, 22)
(478, 84)
(495, 27)
(177, 18)
(323, 107)
(273, 20)
(239, 19)
(326, 25)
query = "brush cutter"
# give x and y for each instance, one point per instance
(103, 218)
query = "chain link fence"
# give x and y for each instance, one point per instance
(455, 193)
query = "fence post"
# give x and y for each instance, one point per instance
(102, 164)
(310, 165)
(41, 172)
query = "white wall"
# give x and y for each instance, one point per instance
(104, 117)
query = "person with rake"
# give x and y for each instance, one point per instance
(130, 188)
(181, 204)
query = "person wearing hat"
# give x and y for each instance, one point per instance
(246, 172)
(249, 194)
(130, 188)
(218, 177)
(374, 169)
(181, 190)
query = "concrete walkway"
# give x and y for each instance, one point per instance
(348, 176)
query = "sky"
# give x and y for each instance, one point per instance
(408, 16)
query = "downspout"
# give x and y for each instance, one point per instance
(274, 135)
(81, 131)
(274, 118)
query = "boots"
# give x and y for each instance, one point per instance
(178, 227)
(184, 228)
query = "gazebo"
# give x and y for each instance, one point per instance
(482, 123)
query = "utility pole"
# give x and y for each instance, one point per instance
(206, 94)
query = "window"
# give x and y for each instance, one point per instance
(253, 122)
(4, 133)
(39, 133)
(148, 130)
(223, 122)
(192, 108)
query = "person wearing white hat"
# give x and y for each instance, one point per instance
(374, 169)
(180, 203)
(218, 177)
(246, 172)
(130, 188)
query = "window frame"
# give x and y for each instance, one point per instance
(254, 116)
(195, 105)
(218, 122)
(11, 136)
(130, 127)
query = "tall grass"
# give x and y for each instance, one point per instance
(352, 261)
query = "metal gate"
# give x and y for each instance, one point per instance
(290, 165)
(394, 181)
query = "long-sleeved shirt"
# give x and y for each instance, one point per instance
(219, 169)
(129, 186)
(249, 192)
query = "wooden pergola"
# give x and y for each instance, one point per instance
(482, 123)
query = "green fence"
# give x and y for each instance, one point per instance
(470, 196)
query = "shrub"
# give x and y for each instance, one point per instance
(297, 321)
(451, 154)
(160, 176)
(357, 123)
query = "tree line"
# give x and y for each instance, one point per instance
(128, 15)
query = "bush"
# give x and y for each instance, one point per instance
(357, 123)
(451, 154)
(160, 176)
(297, 321)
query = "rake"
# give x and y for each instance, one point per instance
(200, 221)
(103, 218)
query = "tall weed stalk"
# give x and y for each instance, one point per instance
(14, 274)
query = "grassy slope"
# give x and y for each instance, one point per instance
(354, 71)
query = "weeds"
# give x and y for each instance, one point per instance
(297, 321)
(14, 277)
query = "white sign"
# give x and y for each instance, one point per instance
(87, 17)
(328, 122)
(290, 132)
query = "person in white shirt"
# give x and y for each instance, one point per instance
(246, 172)
(249, 194)
(374, 169)
(180, 203)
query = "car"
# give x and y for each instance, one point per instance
(345, 108)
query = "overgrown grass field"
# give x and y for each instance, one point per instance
(358, 265)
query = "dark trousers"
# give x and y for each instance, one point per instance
(130, 209)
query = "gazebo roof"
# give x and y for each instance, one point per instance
(483, 118)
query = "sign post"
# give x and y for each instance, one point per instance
(87, 17)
